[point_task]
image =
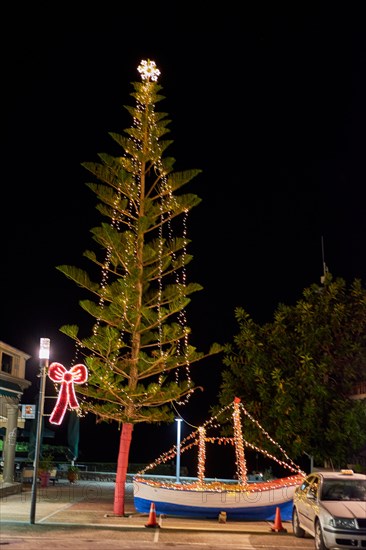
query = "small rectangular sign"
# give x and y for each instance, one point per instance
(28, 411)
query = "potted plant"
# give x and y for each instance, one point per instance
(72, 473)
(44, 469)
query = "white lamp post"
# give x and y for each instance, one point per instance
(177, 472)
(44, 355)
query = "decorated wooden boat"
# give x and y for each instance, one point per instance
(240, 499)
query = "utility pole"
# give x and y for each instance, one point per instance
(44, 355)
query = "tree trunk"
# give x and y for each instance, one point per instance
(122, 465)
(45, 478)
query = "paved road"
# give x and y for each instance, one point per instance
(80, 517)
(89, 539)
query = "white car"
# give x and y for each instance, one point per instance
(331, 507)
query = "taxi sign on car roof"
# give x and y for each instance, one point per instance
(347, 472)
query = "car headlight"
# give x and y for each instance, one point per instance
(343, 523)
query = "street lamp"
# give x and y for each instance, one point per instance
(179, 424)
(44, 355)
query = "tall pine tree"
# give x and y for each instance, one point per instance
(138, 353)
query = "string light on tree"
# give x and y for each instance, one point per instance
(137, 354)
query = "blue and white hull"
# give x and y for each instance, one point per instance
(258, 501)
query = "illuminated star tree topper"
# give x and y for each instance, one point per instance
(148, 70)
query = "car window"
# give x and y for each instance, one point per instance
(344, 490)
(305, 484)
(313, 489)
(360, 491)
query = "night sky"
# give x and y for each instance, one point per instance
(271, 107)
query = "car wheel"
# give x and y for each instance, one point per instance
(319, 541)
(298, 531)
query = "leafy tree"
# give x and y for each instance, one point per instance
(296, 374)
(138, 354)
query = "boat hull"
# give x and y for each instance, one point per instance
(258, 504)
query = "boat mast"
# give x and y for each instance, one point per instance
(201, 455)
(325, 269)
(241, 467)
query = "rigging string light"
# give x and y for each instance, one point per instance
(78, 374)
(295, 467)
(181, 417)
(200, 437)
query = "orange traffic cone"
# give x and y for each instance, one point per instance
(152, 517)
(277, 526)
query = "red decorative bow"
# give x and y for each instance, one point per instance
(78, 374)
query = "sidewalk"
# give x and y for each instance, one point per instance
(90, 504)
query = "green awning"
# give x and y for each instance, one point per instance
(10, 389)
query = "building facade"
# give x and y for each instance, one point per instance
(12, 385)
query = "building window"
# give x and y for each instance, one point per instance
(6, 363)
